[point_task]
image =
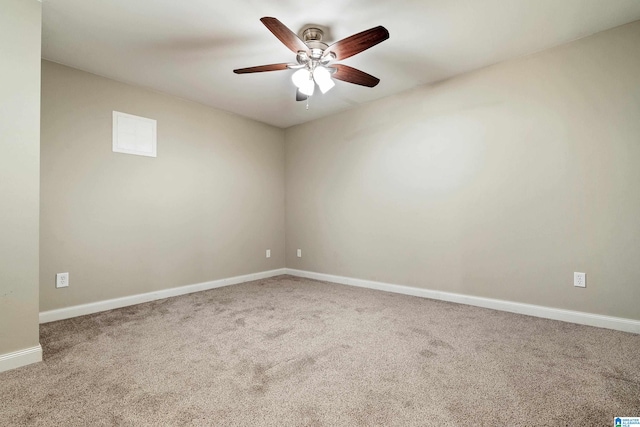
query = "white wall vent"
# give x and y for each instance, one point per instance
(134, 134)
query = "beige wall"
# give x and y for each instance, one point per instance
(19, 172)
(206, 208)
(500, 183)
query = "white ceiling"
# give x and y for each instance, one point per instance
(188, 48)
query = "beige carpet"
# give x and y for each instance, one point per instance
(289, 351)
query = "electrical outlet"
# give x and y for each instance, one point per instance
(580, 280)
(268, 253)
(299, 253)
(62, 280)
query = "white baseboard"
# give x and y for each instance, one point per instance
(582, 318)
(95, 307)
(20, 358)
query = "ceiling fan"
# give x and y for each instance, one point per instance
(314, 58)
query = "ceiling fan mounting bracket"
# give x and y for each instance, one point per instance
(311, 31)
(312, 37)
(312, 34)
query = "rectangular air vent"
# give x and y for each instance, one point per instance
(134, 134)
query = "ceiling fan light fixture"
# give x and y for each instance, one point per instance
(313, 57)
(300, 77)
(322, 76)
(308, 88)
(303, 81)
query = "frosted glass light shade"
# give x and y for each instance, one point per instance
(308, 88)
(300, 77)
(303, 81)
(322, 76)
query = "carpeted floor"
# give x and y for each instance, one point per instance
(289, 351)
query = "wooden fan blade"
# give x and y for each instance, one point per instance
(284, 34)
(357, 43)
(300, 96)
(353, 75)
(262, 68)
